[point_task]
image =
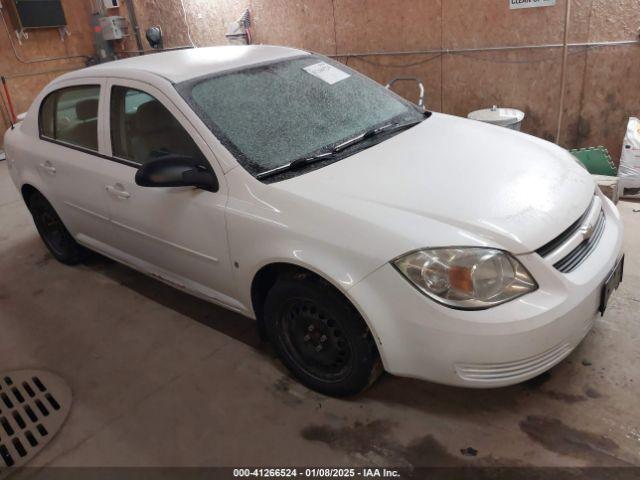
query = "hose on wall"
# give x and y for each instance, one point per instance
(186, 23)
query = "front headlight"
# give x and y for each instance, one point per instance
(466, 278)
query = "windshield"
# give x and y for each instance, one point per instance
(272, 114)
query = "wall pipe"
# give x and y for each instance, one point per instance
(489, 49)
(134, 23)
(12, 112)
(41, 72)
(6, 116)
(167, 49)
(563, 73)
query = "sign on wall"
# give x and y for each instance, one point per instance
(530, 3)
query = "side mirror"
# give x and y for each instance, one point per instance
(177, 171)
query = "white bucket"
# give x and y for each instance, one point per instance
(503, 117)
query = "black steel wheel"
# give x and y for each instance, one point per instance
(320, 337)
(315, 339)
(53, 232)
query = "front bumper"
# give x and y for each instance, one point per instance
(500, 346)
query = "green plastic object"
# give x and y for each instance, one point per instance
(597, 160)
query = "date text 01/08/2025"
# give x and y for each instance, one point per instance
(315, 473)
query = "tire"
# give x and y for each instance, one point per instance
(320, 337)
(53, 232)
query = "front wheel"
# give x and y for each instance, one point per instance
(53, 232)
(320, 337)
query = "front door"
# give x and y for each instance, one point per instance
(178, 234)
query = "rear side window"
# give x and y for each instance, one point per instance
(142, 129)
(70, 115)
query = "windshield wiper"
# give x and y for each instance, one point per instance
(363, 136)
(297, 163)
(329, 154)
(389, 127)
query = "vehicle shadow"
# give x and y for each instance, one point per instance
(229, 323)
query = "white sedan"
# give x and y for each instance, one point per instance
(359, 231)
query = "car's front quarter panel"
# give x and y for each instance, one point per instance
(342, 241)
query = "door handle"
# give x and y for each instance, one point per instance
(118, 190)
(48, 167)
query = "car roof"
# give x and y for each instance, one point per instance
(180, 65)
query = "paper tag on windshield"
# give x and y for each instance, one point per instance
(327, 73)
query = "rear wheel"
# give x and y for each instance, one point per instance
(320, 337)
(53, 232)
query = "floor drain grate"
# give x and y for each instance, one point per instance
(33, 406)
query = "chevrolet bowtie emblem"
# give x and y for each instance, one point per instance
(587, 231)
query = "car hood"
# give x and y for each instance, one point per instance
(508, 189)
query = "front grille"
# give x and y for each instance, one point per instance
(581, 252)
(33, 407)
(559, 245)
(566, 235)
(510, 371)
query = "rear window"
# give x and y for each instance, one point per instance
(70, 115)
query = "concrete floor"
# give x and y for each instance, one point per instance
(161, 378)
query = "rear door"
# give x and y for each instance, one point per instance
(178, 234)
(69, 159)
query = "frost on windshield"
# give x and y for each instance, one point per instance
(273, 114)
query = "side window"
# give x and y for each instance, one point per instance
(70, 115)
(142, 129)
